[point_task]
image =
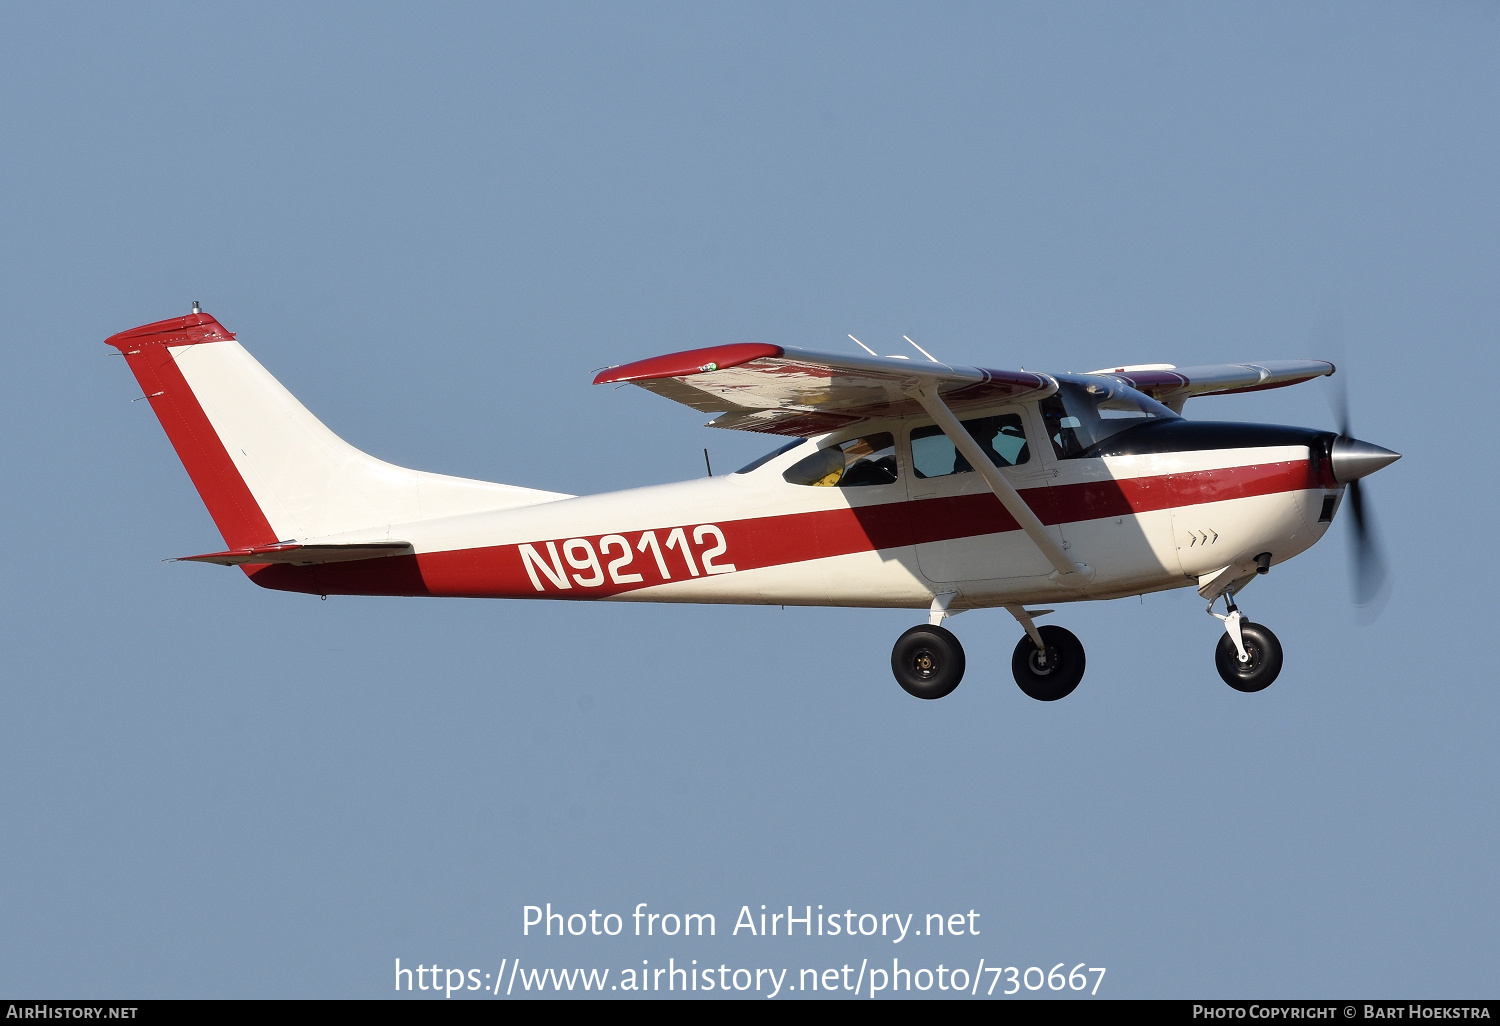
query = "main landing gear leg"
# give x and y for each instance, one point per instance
(1248, 656)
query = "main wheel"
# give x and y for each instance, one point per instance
(928, 661)
(1054, 676)
(1265, 658)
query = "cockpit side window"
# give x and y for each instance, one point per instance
(1002, 438)
(1084, 412)
(857, 462)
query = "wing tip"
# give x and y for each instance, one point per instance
(688, 362)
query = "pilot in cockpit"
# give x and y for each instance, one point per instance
(1084, 412)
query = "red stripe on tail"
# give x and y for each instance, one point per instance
(146, 349)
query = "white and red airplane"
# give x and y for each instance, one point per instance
(910, 484)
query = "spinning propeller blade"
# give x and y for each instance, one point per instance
(1353, 460)
(1367, 559)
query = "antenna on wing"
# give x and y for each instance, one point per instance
(864, 347)
(921, 350)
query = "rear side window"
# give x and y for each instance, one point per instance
(1002, 438)
(858, 462)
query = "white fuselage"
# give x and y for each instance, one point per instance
(1140, 523)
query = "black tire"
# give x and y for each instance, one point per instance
(1056, 676)
(928, 661)
(1265, 658)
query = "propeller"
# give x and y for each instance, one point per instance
(1352, 461)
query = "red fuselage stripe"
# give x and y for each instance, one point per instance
(499, 571)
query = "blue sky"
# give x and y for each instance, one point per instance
(433, 224)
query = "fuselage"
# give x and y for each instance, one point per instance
(1158, 506)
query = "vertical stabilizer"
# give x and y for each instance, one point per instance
(266, 468)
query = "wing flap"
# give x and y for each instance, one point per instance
(302, 555)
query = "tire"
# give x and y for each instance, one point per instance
(1265, 658)
(1059, 674)
(928, 661)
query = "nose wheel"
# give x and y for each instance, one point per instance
(928, 661)
(1248, 655)
(1262, 660)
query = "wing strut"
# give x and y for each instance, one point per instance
(1068, 572)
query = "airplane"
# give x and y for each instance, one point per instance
(906, 483)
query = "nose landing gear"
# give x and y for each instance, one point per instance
(1248, 656)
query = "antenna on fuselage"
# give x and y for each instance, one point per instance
(864, 347)
(921, 350)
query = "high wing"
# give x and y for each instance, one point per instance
(779, 390)
(1173, 386)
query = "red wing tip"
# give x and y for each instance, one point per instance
(692, 361)
(183, 331)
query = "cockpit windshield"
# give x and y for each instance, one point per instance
(1086, 410)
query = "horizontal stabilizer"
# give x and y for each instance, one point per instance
(302, 555)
